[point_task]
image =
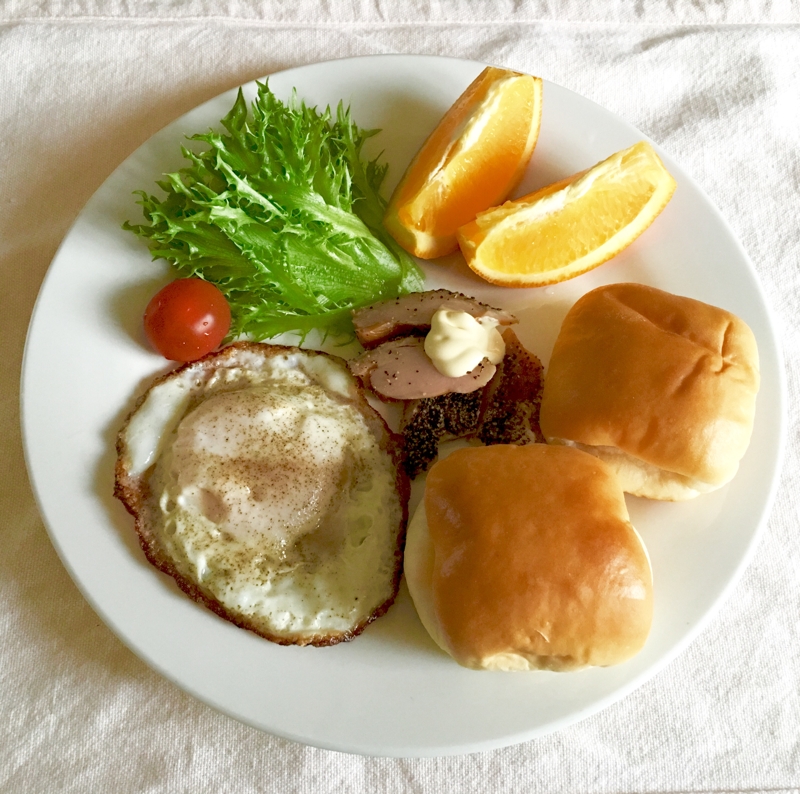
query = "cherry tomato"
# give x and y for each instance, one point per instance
(187, 319)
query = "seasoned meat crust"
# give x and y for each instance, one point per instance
(510, 411)
(134, 492)
(428, 420)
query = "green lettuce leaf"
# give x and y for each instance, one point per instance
(284, 215)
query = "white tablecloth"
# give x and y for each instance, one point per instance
(83, 83)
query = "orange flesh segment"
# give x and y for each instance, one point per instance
(568, 228)
(480, 176)
(472, 160)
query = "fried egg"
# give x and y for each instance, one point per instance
(266, 486)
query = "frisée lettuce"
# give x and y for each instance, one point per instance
(284, 215)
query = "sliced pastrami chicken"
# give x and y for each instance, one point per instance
(411, 314)
(401, 370)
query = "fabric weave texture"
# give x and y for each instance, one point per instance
(84, 83)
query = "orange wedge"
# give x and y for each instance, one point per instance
(471, 161)
(570, 227)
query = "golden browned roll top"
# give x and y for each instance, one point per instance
(524, 558)
(660, 386)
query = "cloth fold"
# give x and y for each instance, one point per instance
(416, 12)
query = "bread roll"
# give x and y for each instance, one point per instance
(524, 558)
(661, 387)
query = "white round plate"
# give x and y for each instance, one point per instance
(391, 691)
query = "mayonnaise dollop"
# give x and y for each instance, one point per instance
(458, 342)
